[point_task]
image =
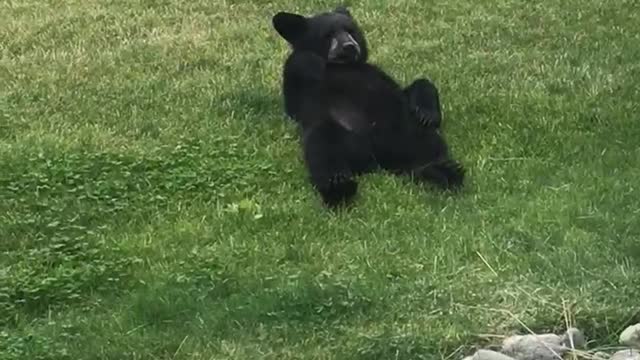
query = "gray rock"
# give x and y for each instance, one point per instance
(575, 337)
(601, 355)
(488, 355)
(631, 336)
(534, 347)
(629, 354)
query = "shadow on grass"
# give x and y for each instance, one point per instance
(56, 207)
(62, 270)
(221, 303)
(75, 192)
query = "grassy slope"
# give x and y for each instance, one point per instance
(153, 204)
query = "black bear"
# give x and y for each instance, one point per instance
(354, 117)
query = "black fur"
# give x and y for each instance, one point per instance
(354, 117)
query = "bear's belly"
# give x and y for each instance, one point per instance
(361, 103)
(361, 82)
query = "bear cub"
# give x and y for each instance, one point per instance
(354, 117)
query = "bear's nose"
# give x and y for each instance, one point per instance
(350, 50)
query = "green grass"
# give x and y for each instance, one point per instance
(154, 205)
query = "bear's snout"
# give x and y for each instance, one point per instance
(344, 48)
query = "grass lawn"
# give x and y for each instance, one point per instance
(154, 204)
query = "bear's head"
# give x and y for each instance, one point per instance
(334, 36)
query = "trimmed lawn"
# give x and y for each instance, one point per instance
(154, 203)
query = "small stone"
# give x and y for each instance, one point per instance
(488, 355)
(574, 339)
(601, 355)
(631, 336)
(534, 347)
(629, 354)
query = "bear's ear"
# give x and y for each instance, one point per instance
(289, 25)
(342, 9)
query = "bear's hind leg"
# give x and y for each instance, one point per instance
(327, 159)
(446, 174)
(424, 103)
(432, 162)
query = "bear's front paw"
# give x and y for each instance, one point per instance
(426, 118)
(338, 191)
